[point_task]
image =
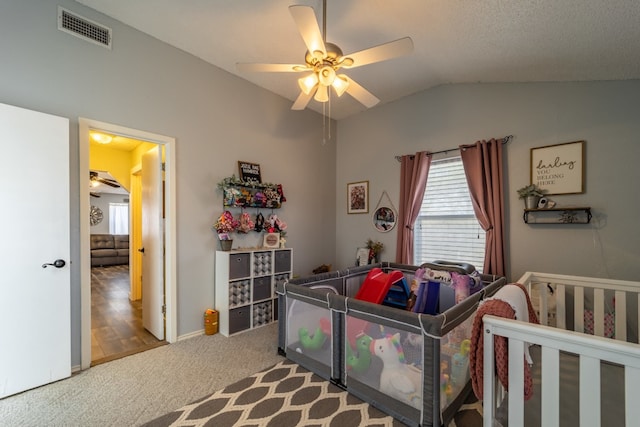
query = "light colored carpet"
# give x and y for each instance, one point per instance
(144, 386)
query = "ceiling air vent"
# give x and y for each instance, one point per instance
(84, 28)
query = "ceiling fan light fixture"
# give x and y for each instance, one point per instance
(340, 84)
(101, 138)
(322, 94)
(307, 83)
(326, 75)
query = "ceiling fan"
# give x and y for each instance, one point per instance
(95, 178)
(324, 60)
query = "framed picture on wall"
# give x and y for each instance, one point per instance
(358, 197)
(559, 168)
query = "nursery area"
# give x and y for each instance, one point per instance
(351, 327)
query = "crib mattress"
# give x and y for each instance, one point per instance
(611, 394)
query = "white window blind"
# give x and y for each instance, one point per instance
(446, 228)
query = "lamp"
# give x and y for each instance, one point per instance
(101, 138)
(322, 94)
(307, 83)
(340, 84)
(321, 80)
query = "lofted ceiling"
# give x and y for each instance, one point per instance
(455, 41)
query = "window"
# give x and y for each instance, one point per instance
(446, 227)
(118, 218)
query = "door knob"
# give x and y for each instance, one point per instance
(141, 250)
(59, 263)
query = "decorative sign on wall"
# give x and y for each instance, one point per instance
(559, 168)
(249, 172)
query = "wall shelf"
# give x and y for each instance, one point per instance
(558, 215)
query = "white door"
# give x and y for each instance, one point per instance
(35, 313)
(153, 244)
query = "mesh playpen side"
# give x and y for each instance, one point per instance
(357, 344)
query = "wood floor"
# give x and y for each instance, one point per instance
(116, 322)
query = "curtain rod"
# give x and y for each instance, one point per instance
(504, 141)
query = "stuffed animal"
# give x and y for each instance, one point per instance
(317, 340)
(360, 359)
(397, 379)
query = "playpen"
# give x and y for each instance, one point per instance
(410, 365)
(586, 368)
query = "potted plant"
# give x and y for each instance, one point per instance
(224, 225)
(374, 250)
(531, 195)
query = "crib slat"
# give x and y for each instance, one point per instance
(543, 303)
(598, 312)
(550, 403)
(561, 313)
(589, 391)
(631, 390)
(489, 386)
(578, 313)
(620, 308)
(516, 382)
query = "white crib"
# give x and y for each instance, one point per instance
(571, 294)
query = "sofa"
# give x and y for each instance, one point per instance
(109, 249)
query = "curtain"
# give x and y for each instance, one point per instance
(118, 218)
(414, 171)
(482, 164)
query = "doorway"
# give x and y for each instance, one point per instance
(167, 144)
(117, 328)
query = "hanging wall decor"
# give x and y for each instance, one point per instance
(95, 215)
(559, 169)
(358, 197)
(385, 215)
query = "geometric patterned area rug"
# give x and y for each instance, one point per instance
(281, 396)
(287, 395)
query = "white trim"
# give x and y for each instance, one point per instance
(84, 126)
(191, 335)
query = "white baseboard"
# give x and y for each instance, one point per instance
(191, 335)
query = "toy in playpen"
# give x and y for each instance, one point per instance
(374, 289)
(397, 379)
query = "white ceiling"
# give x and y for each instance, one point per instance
(455, 41)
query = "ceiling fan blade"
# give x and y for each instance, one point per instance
(96, 195)
(381, 52)
(108, 182)
(270, 68)
(305, 19)
(302, 101)
(363, 96)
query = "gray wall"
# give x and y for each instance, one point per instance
(103, 203)
(604, 114)
(216, 118)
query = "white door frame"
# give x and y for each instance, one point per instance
(85, 125)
